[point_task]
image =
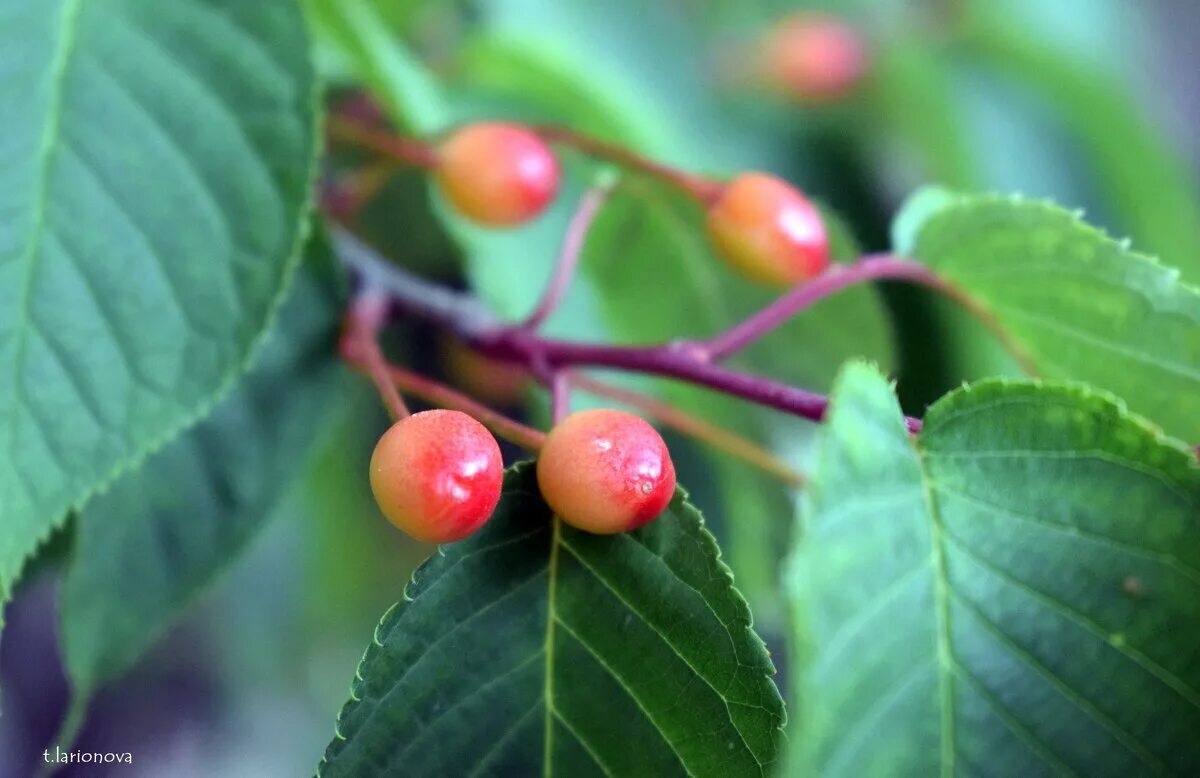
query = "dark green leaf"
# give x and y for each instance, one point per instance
(536, 649)
(156, 182)
(1016, 591)
(148, 546)
(1085, 307)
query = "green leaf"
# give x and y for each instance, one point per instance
(1151, 187)
(1015, 591)
(538, 649)
(156, 183)
(146, 548)
(1083, 306)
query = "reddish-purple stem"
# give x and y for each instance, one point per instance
(569, 255)
(466, 318)
(838, 277)
(878, 267)
(560, 396)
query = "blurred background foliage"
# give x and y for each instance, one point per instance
(1087, 102)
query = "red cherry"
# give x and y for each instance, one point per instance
(497, 174)
(437, 475)
(815, 57)
(605, 471)
(768, 231)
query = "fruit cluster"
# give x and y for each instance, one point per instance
(500, 174)
(437, 475)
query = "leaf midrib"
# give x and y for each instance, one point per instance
(945, 656)
(69, 27)
(548, 647)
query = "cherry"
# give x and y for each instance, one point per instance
(815, 57)
(768, 231)
(496, 173)
(437, 475)
(605, 471)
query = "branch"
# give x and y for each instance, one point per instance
(411, 293)
(467, 318)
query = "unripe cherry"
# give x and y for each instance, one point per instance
(768, 231)
(496, 173)
(815, 57)
(437, 475)
(605, 471)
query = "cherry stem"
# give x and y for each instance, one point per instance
(560, 395)
(367, 315)
(442, 396)
(422, 154)
(680, 420)
(570, 254)
(345, 196)
(703, 189)
(408, 150)
(879, 267)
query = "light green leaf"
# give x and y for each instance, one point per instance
(1014, 592)
(160, 535)
(1085, 307)
(157, 168)
(540, 650)
(1150, 186)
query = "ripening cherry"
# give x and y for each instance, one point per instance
(437, 475)
(815, 57)
(764, 228)
(496, 173)
(605, 471)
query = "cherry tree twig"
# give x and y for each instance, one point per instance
(467, 318)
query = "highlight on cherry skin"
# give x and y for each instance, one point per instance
(768, 231)
(437, 475)
(814, 57)
(498, 174)
(605, 471)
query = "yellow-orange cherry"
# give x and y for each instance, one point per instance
(498, 174)
(437, 475)
(817, 58)
(768, 231)
(605, 471)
